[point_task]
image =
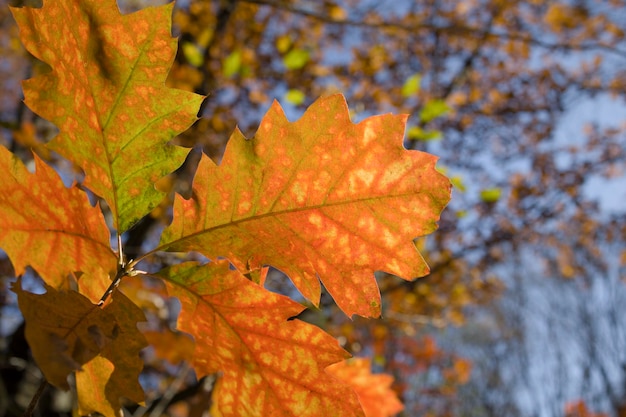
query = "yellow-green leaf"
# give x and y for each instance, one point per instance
(412, 85)
(458, 183)
(433, 109)
(417, 133)
(490, 195)
(296, 59)
(193, 54)
(232, 64)
(106, 93)
(320, 199)
(295, 97)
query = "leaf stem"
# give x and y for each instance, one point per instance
(124, 269)
(121, 273)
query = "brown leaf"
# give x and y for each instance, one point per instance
(67, 333)
(114, 373)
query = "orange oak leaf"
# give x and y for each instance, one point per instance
(373, 390)
(66, 332)
(320, 197)
(269, 365)
(113, 374)
(106, 93)
(50, 227)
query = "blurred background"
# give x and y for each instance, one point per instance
(523, 313)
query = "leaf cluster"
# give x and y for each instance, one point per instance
(322, 199)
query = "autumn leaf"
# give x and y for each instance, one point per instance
(66, 332)
(373, 390)
(579, 409)
(106, 93)
(114, 373)
(50, 227)
(320, 197)
(269, 365)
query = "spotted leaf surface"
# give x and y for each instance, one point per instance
(52, 228)
(269, 365)
(106, 93)
(319, 197)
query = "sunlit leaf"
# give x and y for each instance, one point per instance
(232, 64)
(296, 59)
(433, 109)
(106, 93)
(412, 85)
(283, 43)
(337, 13)
(269, 364)
(50, 227)
(320, 197)
(457, 183)
(490, 195)
(417, 133)
(192, 53)
(374, 390)
(295, 97)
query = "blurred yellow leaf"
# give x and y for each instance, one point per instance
(412, 85)
(490, 195)
(232, 64)
(295, 97)
(192, 53)
(296, 59)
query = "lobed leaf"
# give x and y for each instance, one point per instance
(113, 374)
(270, 365)
(374, 390)
(67, 333)
(106, 93)
(320, 197)
(50, 227)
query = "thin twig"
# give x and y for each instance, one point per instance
(449, 30)
(33, 402)
(164, 402)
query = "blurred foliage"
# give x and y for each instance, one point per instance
(488, 85)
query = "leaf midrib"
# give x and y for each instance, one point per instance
(233, 223)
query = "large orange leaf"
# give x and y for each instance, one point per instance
(50, 227)
(67, 333)
(106, 93)
(320, 197)
(269, 365)
(374, 390)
